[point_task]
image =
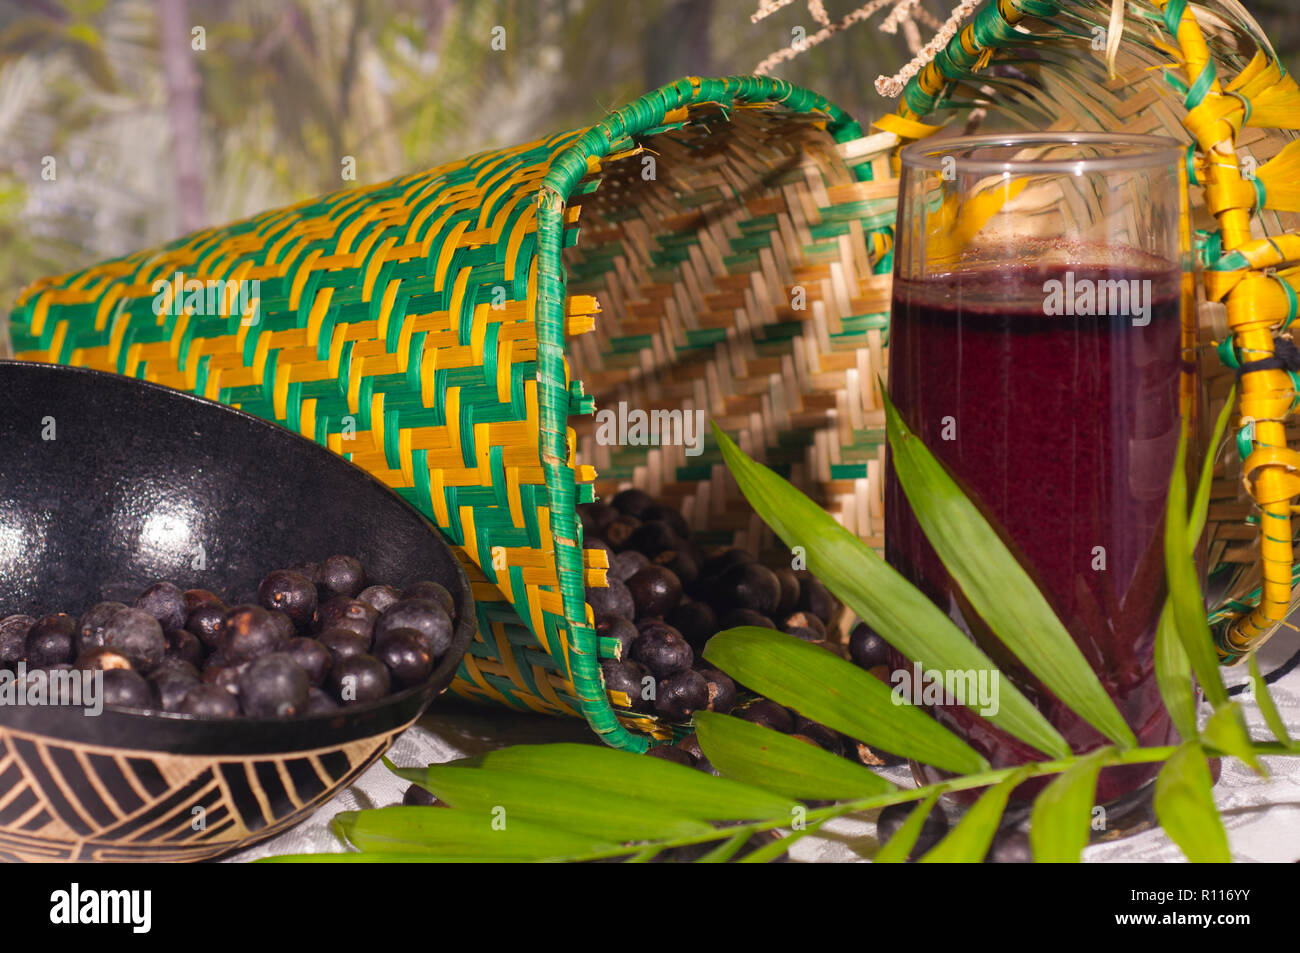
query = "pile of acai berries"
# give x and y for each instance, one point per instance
(667, 596)
(315, 638)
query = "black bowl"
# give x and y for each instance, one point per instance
(108, 483)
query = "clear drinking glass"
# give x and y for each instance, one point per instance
(1039, 347)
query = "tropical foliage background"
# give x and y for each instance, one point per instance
(152, 138)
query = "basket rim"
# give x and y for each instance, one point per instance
(567, 168)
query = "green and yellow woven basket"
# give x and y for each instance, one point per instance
(452, 332)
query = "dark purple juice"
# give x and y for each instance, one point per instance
(1063, 429)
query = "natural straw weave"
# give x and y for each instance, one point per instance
(378, 335)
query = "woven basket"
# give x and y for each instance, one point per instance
(449, 331)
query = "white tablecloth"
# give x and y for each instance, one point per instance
(1262, 815)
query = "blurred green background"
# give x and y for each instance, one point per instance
(151, 137)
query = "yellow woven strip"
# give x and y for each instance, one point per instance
(1274, 95)
(1258, 66)
(524, 225)
(1252, 307)
(1249, 632)
(1219, 283)
(958, 220)
(1280, 176)
(505, 656)
(478, 669)
(648, 726)
(620, 699)
(1282, 460)
(1270, 472)
(461, 689)
(438, 495)
(542, 679)
(550, 601)
(1215, 134)
(1266, 252)
(903, 127)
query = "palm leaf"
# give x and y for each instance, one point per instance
(1062, 813)
(969, 841)
(899, 847)
(879, 595)
(768, 759)
(1267, 707)
(1185, 596)
(1184, 804)
(837, 694)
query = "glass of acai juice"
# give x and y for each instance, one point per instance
(1040, 346)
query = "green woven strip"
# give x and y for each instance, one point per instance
(1246, 105)
(1261, 194)
(1292, 304)
(1196, 92)
(1174, 14)
(848, 471)
(990, 30)
(1230, 261)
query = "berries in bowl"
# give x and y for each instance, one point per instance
(126, 508)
